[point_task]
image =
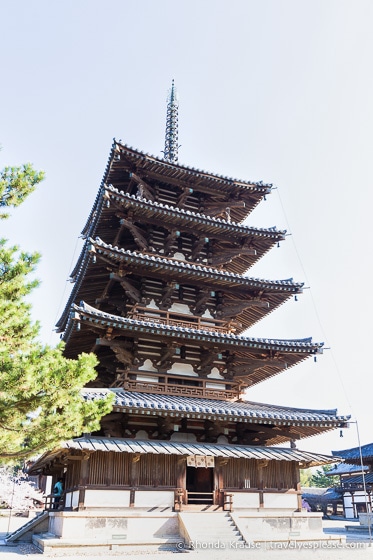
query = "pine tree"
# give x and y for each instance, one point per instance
(40, 401)
(16, 183)
(321, 478)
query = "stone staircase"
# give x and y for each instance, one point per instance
(26, 531)
(212, 530)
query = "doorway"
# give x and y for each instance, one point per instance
(199, 485)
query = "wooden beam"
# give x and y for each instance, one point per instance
(216, 208)
(234, 307)
(207, 358)
(228, 255)
(198, 246)
(122, 354)
(133, 293)
(166, 301)
(137, 233)
(118, 303)
(183, 197)
(201, 300)
(145, 190)
(242, 370)
(165, 361)
(170, 240)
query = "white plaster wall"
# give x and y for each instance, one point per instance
(107, 498)
(182, 369)
(207, 314)
(142, 434)
(180, 308)
(215, 374)
(68, 499)
(218, 386)
(359, 498)
(72, 499)
(156, 498)
(148, 366)
(245, 500)
(348, 500)
(75, 499)
(147, 378)
(280, 500)
(349, 512)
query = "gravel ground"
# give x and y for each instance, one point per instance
(351, 551)
(357, 547)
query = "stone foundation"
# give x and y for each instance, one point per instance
(279, 526)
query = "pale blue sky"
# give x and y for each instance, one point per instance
(272, 90)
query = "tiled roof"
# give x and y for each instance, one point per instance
(344, 468)
(358, 479)
(87, 312)
(199, 407)
(201, 270)
(129, 151)
(123, 158)
(189, 216)
(183, 269)
(353, 454)
(321, 495)
(157, 447)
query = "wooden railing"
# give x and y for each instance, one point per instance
(172, 385)
(172, 318)
(50, 502)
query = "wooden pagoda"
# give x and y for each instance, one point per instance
(162, 296)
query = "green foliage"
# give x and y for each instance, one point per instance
(16, 183)
(305, 477)
(321, 479)
(40, 401)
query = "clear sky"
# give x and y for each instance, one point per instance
(272, 90)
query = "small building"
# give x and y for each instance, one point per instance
(356, 479)
(327, 500)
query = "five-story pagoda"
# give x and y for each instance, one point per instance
(162, 296)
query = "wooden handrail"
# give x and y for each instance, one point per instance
(174, 318)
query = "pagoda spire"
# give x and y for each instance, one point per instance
(171, 146)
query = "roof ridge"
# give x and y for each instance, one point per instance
(177, 210)
(187, 265)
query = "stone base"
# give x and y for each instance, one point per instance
(366, 519)
(109, 529)
(256, 527)
(46, 542)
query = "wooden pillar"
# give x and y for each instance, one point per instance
(220, 465)
(134, 476)
(299, 497)
(353, 505)
(156, 470)
(109, 468)
(181, 475)
(83, 480)
(262, 464)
